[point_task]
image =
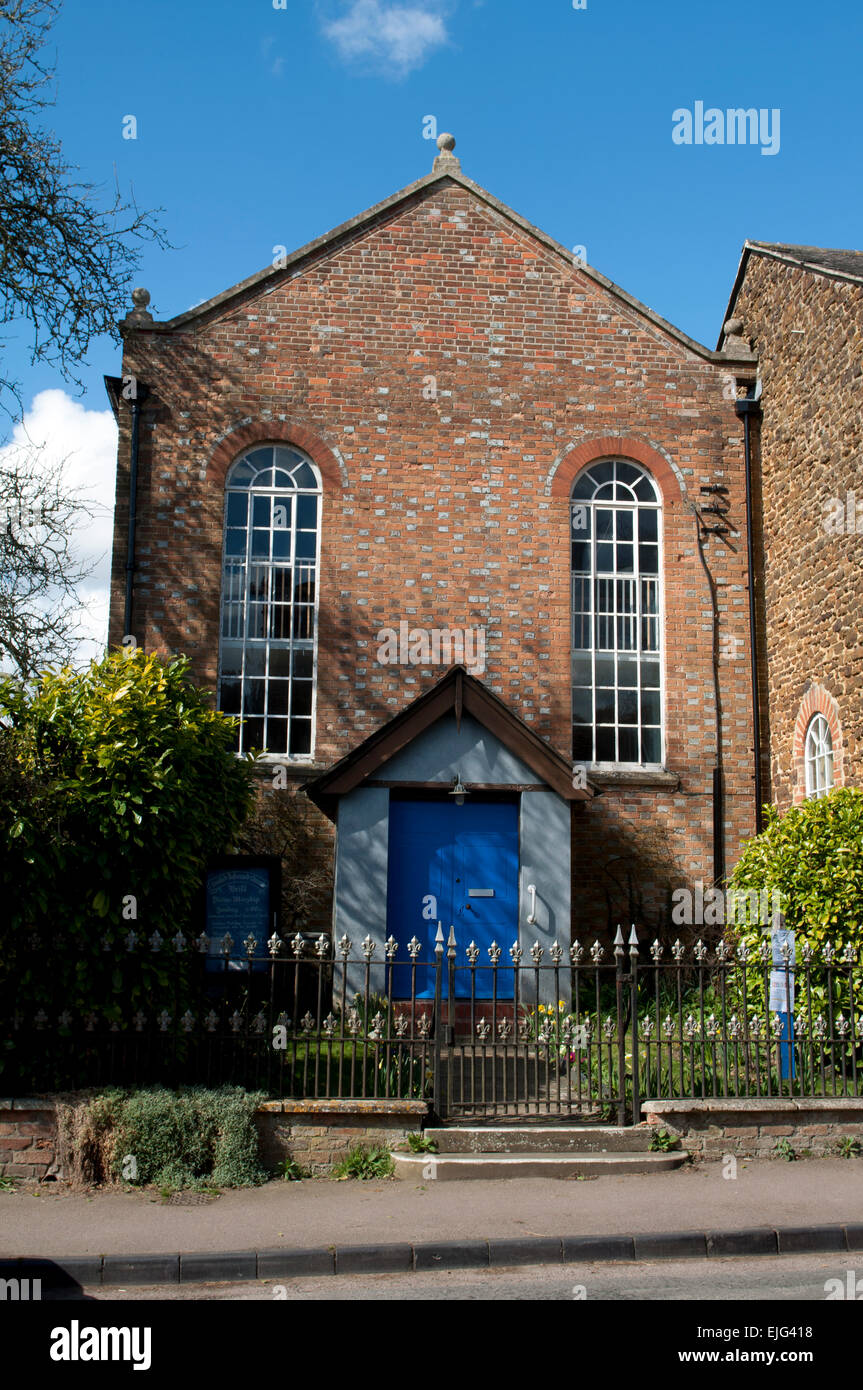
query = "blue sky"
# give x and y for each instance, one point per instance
(260, 126)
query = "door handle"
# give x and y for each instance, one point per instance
(531, 916)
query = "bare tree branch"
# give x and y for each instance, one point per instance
(67, 255)
(39, 571)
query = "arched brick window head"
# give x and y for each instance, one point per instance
(818, 746)
(267, 650)
(616, 616)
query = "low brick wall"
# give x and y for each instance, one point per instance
(317, 1134)
(750, 1128)
(27, 1137)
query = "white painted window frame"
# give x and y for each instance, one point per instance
(276, 759)
(818, 755)
(633, 506)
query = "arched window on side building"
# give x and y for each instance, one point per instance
(818, 757)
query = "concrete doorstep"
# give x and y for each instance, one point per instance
(232, 1266)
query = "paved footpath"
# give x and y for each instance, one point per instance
(322, 1213)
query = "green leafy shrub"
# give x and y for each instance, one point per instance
(174, 1139)
(849, 1147)
(813, 857)
(365, 1163)
(783, 1149)
(117, 785)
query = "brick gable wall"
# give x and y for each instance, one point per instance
(451, 512)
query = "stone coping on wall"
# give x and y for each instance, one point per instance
(33, 1102)
(282, 1107)
(717, 1105)
(344, 1107)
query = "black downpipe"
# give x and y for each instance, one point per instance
(718, 798)
(141, 393)
(746, 408)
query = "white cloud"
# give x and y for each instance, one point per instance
(396, 38)
(59, 430)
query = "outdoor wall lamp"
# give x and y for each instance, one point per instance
(458, 791)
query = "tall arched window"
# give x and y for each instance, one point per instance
(818, 757)
(269, 599)
(616, 616)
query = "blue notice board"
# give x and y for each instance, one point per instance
(240, 900)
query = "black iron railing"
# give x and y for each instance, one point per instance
(583, 1032)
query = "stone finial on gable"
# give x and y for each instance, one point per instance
(140, 314)
(734, 343)
(446, 160)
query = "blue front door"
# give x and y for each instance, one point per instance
(457, 865)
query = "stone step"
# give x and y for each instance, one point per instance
(541, 1139)
(446, 1167)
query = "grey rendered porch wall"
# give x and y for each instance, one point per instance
(360, 897)
(360, 900)
(545, 853)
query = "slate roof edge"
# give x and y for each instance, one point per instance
(776, 252)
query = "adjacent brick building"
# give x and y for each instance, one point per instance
(801, 309)
(480, 425)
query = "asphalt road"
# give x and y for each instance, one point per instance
(774, 1278)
